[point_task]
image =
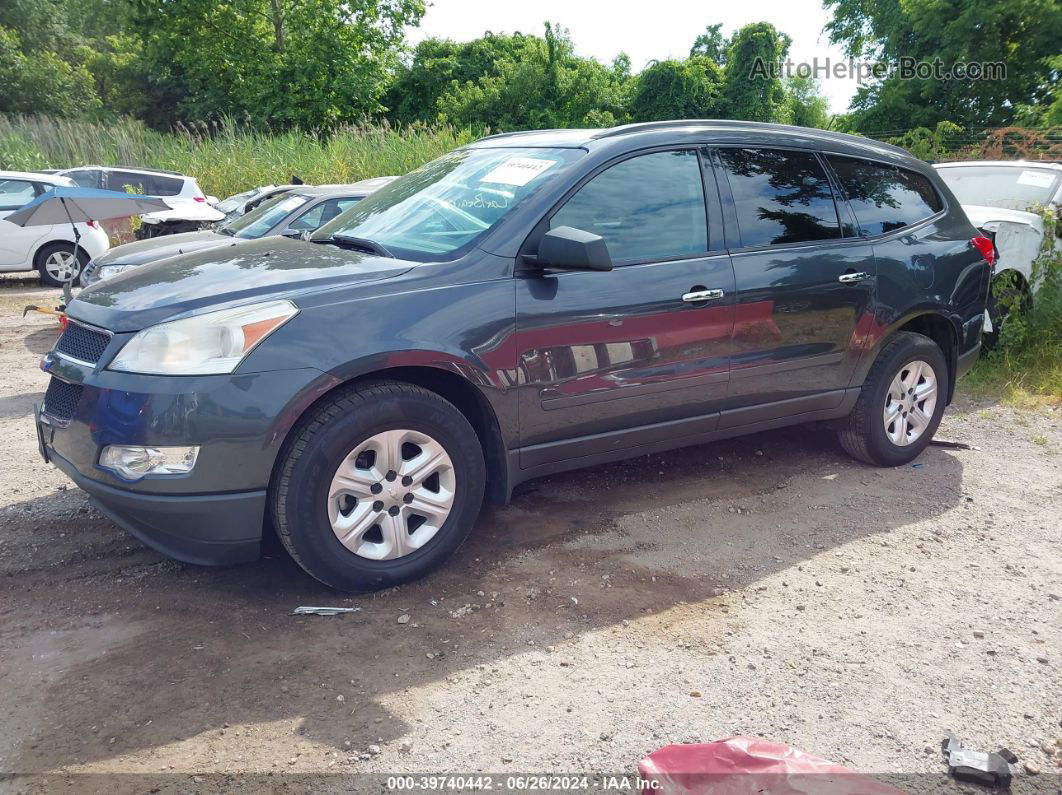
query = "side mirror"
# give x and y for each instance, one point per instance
(573, 249)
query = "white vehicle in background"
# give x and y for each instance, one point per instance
(46, 249)
(1006, 199)
(192, 210)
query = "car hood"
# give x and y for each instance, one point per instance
(980, 215)
(248, 272)
(156, 248)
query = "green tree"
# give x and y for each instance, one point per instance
(687, 89)
(1020, 34)
(711, 44)
(305, 63)
(807, 106)
(42, 83)
(753, 90)
(437, 63)
(546, 85)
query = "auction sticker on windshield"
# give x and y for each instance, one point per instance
(517, 171)
(1038, 179)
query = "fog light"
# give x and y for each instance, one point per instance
(132, 463)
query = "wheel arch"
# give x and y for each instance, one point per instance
(38, 259)
(453, 387)
(940, 328)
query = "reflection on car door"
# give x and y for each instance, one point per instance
(611, 360)
(804, 280)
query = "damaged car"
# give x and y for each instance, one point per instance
(1007, 199)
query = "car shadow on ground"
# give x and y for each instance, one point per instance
(42, 340)
(133, 652)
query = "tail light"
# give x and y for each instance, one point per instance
(201, 199)
(92, 224)
(986, 247)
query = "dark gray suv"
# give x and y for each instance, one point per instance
(527, 304)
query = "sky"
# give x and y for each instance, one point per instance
(646, 31)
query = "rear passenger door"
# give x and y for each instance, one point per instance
(804, 283)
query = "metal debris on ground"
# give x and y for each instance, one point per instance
(990, 769)
(323, 611)
(950, 445)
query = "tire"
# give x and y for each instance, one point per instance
(48, 260)
(866, 433)
(386, 416)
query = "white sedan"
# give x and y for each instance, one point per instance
(49, 250)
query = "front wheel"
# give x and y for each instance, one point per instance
(901, 403)
(379, 486)
(58, 264)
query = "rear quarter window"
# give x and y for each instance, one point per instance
(885, 197)
(165, 186)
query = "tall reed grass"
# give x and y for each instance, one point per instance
(226, 158)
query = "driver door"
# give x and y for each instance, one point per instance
(612, 360)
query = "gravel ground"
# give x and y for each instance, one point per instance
(767, 586)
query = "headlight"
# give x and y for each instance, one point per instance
(107, 271)
(208, 344)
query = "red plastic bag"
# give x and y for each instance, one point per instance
(748, 766)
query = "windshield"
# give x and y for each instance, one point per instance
(237, 201)
(432, 213)
(1011, 187)
(261, 219)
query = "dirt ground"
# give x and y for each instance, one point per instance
(766, 586)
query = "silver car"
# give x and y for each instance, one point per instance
(293, 213)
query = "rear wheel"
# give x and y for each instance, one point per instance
(379, 486)
(901, 403)
(58, 264)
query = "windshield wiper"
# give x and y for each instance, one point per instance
(224, 230)
(357, 243)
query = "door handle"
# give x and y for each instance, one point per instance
(847, 278)
(697, 296)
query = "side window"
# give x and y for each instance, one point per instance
(128, 182)
(780, 196)
(321, 214)
(85, 177)
(884, 198)
(164, 186)
(647, 208)
(14, 193)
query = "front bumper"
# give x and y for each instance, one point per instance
(213, 515)
(205, 529)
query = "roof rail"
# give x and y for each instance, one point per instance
(649, 126)
(150, 170)
(130, 168)
(536, 132)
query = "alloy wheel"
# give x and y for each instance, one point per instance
(62, 265)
